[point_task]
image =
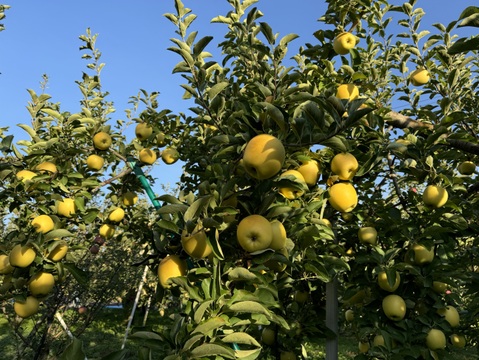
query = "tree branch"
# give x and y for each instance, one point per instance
(464, 146)
(401, 121)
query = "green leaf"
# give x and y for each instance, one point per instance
(52, 113)
(319, 270)
(168, 225)
(241, 338)
(172, 209)
(57, 233)
(469, 17)
(248, 354)
(241, 273)
(196, 208)
(200, 311)
(216, 89)
(74, 351)
(209, 325)
(337, 143)
(267, 32)
(28, 129)
(146, 335)
(464, 45)
(80, 275)
(209, 350)
(118, 355)
(191, 342)
(274, 113)
(169, 199)
(287, 39)
(201, 44)
(252, 307)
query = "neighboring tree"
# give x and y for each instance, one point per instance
(298, 173)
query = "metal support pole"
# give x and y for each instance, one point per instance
(138, 293)
(332, 319)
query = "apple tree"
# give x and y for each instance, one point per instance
(402, 215)
(301, 179)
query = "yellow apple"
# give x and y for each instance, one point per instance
(5, 267)
(102, 140)
(117, 215)
(95, 162)
(66, 207)
(25, 175)
(43, 224)
(254, 233)
(170, 155)
(279, 235)
(344, 42)
(41, 283)
(435, 339)
(422, 255)
(58, 252)
(343, 197)
(344, 165)
(466, 168)
(378, 340)
(21, 256)
(419, 77)
(268, 336)
(26, 308)
(107, 231)
(287, 355)
(368, 235)
(143, 131)
(171, 266)
(451, 315)
(394, 307)
(435, 196)
(349, 315)
(292, 193)
(347, 92)
(147, 156)
(439, 287)
(311, 171)
(263, 156)
(196, 244)
(384, 283)
(160, 139)
(129, 198)
(457, 340)
(363, 347)
(47, 166)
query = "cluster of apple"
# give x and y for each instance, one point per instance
(393, 305)
(345, 41)
(148, 156)
(342, 194)
(23, 267)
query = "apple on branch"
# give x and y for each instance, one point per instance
(263, 156)
(254, 233)
(344, 42)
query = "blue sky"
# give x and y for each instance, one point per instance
(42, 38)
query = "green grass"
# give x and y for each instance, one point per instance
(106, 334)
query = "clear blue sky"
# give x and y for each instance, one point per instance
(41, 37)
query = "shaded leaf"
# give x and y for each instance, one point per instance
(208, 350)
(74, 351)
(241, 338)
